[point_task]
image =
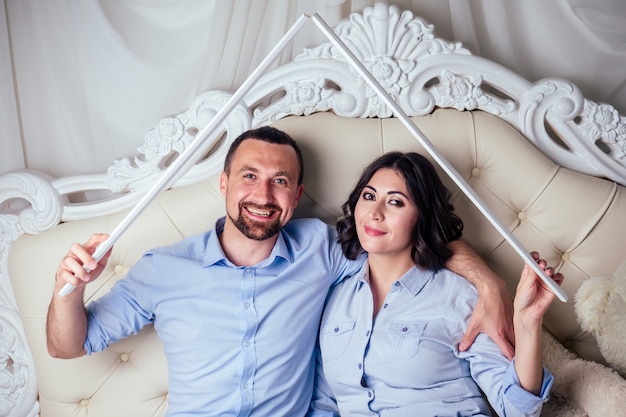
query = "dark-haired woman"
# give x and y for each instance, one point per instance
(388, 337)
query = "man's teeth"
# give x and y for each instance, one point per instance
(259, 212)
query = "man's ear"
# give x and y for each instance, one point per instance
(223, 183)
(299, 192)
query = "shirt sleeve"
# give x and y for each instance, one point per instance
(124, 310)
(496, 376)
(341, 267)
(526, 402)
(323, 403)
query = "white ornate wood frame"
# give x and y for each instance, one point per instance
(418, 69)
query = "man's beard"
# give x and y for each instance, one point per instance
(257, 230)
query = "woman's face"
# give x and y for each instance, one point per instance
(385, 216)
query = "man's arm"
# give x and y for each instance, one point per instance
(494, 312)
(66, 326)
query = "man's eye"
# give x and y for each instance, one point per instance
(281, 181)
(249, 176)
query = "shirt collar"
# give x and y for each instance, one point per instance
(412, 281)
(215, 254)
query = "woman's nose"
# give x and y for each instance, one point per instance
(376, 212)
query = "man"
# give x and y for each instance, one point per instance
(237, 308)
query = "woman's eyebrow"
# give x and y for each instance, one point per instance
(388, 192)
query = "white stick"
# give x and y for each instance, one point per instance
(445, 165)
(174, 170)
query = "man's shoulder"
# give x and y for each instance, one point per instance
(307, 226)
(309, 233)
(187, 247)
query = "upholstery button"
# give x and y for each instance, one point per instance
(522, 215)
(565, 256)
(119, 269)
(84, 403)
(475, 172)
(124, 357)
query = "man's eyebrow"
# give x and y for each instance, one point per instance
(283, 174)
(248, 168)
(253, 169)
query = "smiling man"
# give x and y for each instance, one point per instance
(237, 308)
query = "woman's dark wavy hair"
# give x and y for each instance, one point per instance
(436, 222)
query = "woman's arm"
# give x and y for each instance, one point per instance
(494, 312)
(532, 299)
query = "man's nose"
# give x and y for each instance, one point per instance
(263, 192)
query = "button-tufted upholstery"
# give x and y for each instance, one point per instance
(574, 220)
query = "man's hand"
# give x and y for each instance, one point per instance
(72, 268)
(494, 311)
(493, 315)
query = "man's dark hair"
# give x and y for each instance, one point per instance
(266, 134)
(436, 222)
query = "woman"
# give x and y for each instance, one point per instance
(388, 337)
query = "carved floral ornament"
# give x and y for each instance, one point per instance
(13, 370)
(603, 121)
(394, 46)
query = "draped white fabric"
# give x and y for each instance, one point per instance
(83, 81)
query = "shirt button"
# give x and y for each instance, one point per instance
(367, 333)
(385, 305)
(359, 366)
(404, 329)
(369, 394)
(245, 386)
(397, 283)
(246, 343)
(247, 305)
(336, 329)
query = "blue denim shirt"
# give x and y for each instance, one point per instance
(239, 341)
(405, 362)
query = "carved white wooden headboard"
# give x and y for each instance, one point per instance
(421, 71)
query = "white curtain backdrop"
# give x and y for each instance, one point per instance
(81, 82)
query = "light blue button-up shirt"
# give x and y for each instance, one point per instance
(405, 362)
(239, 341)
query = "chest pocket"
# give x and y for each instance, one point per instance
(334, 338)
(403, 338)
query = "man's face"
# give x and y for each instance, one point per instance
(262, 189)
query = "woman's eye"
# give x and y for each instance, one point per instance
(368, 196)
(395, 202)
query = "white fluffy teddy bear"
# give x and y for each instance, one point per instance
(600, 305)
(584, 388)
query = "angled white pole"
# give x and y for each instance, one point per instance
(191, 154)
(445, 165)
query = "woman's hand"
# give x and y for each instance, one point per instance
(533, 296)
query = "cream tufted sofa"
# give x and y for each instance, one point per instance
(526, 148)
